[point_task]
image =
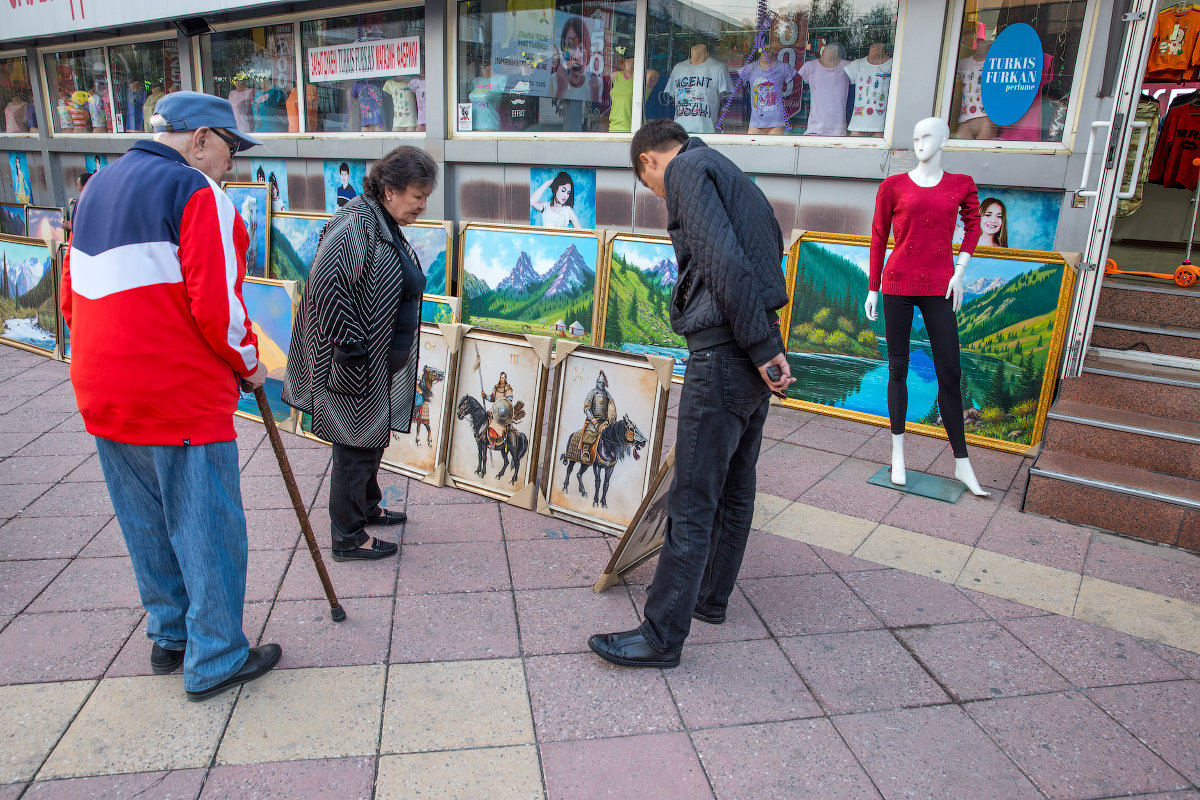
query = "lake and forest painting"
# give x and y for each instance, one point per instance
(270, 310)
(1006, 336)
(637, 319)
(28, 310)
(534, 282)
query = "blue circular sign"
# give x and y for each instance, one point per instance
(1012, 74)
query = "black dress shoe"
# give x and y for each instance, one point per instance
(709, 617)
(388, 518)
(164, 661)
(378, 549)
(258, 663)
(630, 649)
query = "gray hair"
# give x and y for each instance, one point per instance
(404, 165)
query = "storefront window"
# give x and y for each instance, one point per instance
(255, 69)
(16, 96)
(540, 65)
(78, 87)
(814, 68)
(141, 75)
(365, 72)
(1015, 69)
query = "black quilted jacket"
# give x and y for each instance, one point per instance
(729, 248)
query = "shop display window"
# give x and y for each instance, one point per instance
(812, 68)
(1015, 69)
(141, 75)
(541, 65)
(16, 96)
(255, 69)
(77, 85)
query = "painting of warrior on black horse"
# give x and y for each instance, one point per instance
(604, 441)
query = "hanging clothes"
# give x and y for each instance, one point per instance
(1178, 145)
(1173, 51)
(1147, 111)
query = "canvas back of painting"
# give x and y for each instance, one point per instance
(646, 532)
(606, 428)
(294, 239)
(253, 204)
(1010, 335)
(530, 281)
(635, 298)
(419, 453)
(269, 305)
(29, 304)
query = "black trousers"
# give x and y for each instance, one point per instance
(354, 494)
(710, 507)
(942, 326)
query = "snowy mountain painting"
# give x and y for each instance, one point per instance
(529, 282)
(27, 306)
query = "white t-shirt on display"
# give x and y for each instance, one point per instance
(872, 85)
(697, 90)
(404, 104)
(971, 74)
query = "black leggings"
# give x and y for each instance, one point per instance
(942, 326)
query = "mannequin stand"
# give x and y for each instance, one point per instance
(921, 484)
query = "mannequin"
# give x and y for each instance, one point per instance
(417, 85)
(620, 114)
(97, 107)
(240, 96)
(486, 91)
(767, 77)
(156, 94)
(972, 119)
(370, 104)
(872, 79)
(829, 87)
(404, 104)
(920, 207)
(696, 86)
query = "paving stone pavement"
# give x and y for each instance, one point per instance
(878, 644)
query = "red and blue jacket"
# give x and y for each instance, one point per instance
(152, 292)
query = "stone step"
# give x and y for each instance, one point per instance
(1126, 437)
(1160, 303)
(1160, 391)
(1146, 337)
(1116, 497)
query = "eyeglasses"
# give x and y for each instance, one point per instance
(233, 143)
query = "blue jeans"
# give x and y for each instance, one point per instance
(710, 507)
(180, 510)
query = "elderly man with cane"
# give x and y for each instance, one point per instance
(152, 290)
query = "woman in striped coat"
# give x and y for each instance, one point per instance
(353, 359)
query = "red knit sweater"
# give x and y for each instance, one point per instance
(923, 223)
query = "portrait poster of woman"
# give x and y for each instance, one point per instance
(1021, 219)
(562, 198)
(420, 452)
(607, 418)
(499, 395)
(253, 204)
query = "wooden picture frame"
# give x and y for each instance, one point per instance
(437, 368)
(294, 237)
(253, 204)
(45, 222)
(835, 352)
(271, 307)
(616, 479)
(433, 240)
(29, 295)
(645, 535)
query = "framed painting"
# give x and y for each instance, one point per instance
(496, 431)
(440, 308)
(270, 305)
(294, 240)
(12, 219)
(431, 239)
(65, 334)
(529, 280)
(1011, 329)
(636, 298)
(29, 294)
(606, 428)
(45, 222)
(646, 533)
(420, 453)
(253, 203)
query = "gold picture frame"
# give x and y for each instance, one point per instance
(239, 193)
(264, 307)
(32, 336)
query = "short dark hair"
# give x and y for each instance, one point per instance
(344, 168)
(404, 165)
(562, 179)
(657, 135)
(83, 178)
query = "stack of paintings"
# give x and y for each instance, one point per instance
(422, 450)
(253, 204)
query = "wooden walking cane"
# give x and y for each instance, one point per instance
(264, 407)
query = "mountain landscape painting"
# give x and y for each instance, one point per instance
(28, 309)
(270, 309)
(1007, 336)
(294, 239)
(430, 242)
(637, 317)
(535, 282)
(12, 219)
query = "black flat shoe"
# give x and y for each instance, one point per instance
(711, 619)
(389, 518)
(378, 549)
(630, 649)
(258, 663)
(164, 661)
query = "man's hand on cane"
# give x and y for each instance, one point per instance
(256, 379)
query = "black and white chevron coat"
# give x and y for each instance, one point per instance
(350, 300)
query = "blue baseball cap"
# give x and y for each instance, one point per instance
(188, 111)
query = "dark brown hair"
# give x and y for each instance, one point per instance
(404, 165)
(657, 135)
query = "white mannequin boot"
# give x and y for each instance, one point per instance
(899, 476)
(963, 471)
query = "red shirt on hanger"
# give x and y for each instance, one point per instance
(1178, 144)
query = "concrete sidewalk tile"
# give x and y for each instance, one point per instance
(767, 688)
(266, 492)
(901, 599)
(59, 443)
(660, 766)
(33, 717)
(1000, 609)
(1023, 581)
(454, 567)
(310, 638)
(1090, 655)
(961, 522)
(766, 508)
(276, 529)
(46, 537)
(73, 499)
(741, 620)
(808, 604)
(1163, 715)
(520, 523)
(800, 759)
(561, 620)
(476, 522)
(846, 495)
(915, 552)
(452, 627)
(422, 494)
(897, 749)
(87, 472)
(782, 421)
(1071, 749)
(39, 469)
(23, 581)
(1160, 570)
(71, 645)
(108, 543)
(303, 461)
(993, 468)
(291, 714)
(919, 451)
(497, 773)
(91, 583)
(160, 729)
(182, 784)
(1037, 539)
(838, 532)
(840, 562)
(349, 578)
(981, 660)
(15, 498)
(318, 779)
(769, 555)
(788, 470)
(1187, 662)
(451, 705)
(861, 671)
(557, 563)
(577, 696)
(820, 436)
(1145, 614)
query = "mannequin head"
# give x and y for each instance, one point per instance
(831, 54)
(929, 137)
(699, 52)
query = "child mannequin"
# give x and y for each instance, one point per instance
(766, 78)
